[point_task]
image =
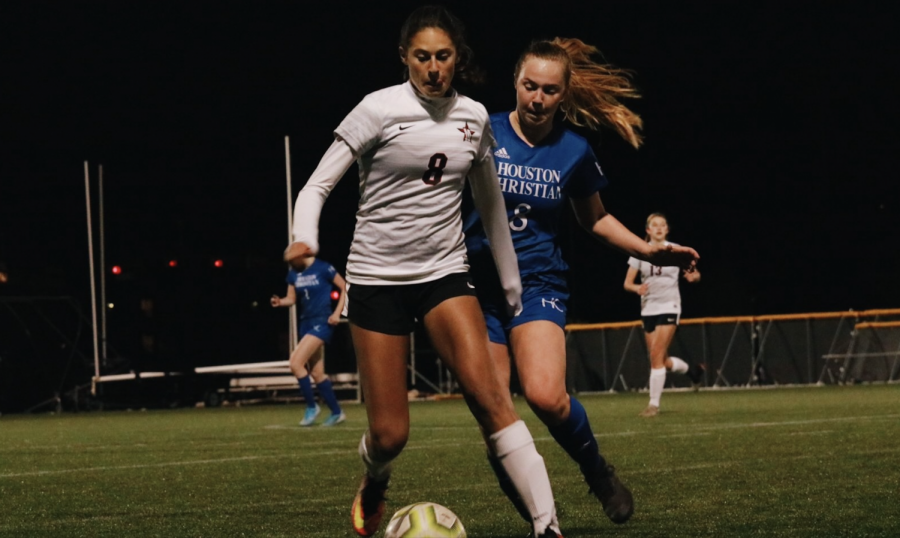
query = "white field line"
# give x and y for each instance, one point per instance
(425, 446)
(108, 448)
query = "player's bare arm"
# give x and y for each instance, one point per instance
(631, 284)
(592, 216)
(673, 255)
(295, 252)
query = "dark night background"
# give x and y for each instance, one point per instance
(771, 139)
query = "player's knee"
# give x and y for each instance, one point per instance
(388, 442)
(546, 404)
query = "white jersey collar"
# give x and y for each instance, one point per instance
(435, 103)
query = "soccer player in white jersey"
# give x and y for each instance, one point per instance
(660, 312)
(542, 166)
(415, 144)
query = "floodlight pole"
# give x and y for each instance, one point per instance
(103, 306)
(292, 318)
(87, 201)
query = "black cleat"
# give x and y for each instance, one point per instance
(618, 504)
(695, 374)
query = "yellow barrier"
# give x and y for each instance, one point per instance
(877, 325)
(573, 327)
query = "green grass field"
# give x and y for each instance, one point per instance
(817, 461)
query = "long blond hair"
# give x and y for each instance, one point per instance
(593, 88)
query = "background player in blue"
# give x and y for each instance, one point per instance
(540, 164)
(312, 282)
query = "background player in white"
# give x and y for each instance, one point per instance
(660, 311)
(415, 144)
(543, 165)
(311, 281)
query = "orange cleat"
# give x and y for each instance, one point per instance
(368, 506)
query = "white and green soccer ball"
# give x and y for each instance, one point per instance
(425, 520)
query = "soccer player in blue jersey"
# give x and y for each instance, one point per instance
(541, 164)
(312, 281)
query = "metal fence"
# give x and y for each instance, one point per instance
(790, 349)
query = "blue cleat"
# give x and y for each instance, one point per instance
(309, 417)
(334, 420)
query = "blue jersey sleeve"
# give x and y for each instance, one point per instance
(331, 272)
(588, 177)
(291, 278)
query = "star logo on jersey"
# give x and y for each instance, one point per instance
(501, 154)
(467, 132)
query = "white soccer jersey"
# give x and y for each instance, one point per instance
(413, 154)
(662, 295)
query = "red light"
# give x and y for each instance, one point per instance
(218, 263)
(116, 270)
(173, 263)
(335, 295)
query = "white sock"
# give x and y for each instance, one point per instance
(514, 447)
(657, 382)
(678, 365)
(377, 470)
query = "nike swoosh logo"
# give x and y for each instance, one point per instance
(470, 285)
(405, 127)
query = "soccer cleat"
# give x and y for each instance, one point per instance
(651, 411)
(368, 506)
(695, 373)
(550, 533)
(309, 417)
(335, 419)
(618, 504)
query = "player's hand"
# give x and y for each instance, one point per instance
(334, 319)
(643, 289)
(692, 276)
(673, 255)
(514, 300)
(275, 301)
(296, 252)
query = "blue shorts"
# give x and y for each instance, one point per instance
(317, 327)
(540, 301)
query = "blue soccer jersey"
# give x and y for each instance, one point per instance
(536, 182)
(313, 287)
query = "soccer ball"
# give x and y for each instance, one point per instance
(425, 520)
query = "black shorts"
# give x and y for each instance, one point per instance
(650, 322)
(394, 309)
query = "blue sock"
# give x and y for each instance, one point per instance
(306, 390)
(577, 439)
(327, 393)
